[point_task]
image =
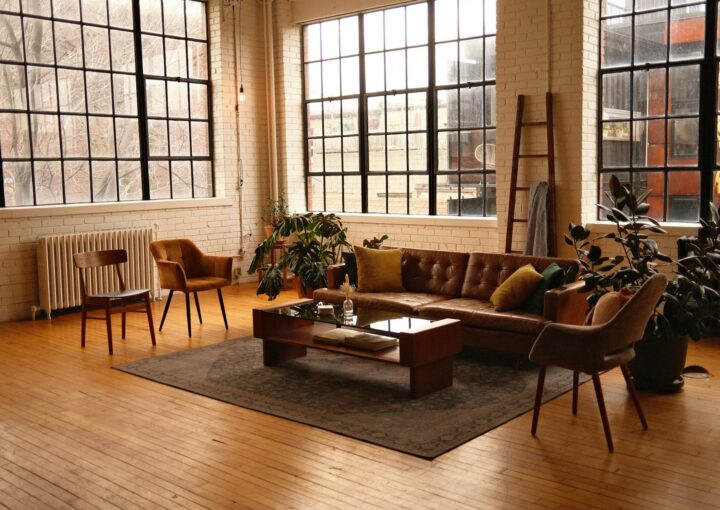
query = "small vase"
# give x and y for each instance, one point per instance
(347, 310)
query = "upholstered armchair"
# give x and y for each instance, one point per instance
(184, 268)
(597, 348)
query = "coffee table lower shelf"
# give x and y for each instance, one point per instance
(427, 351)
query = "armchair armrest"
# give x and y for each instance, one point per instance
(566, 304)
(335, 275)
(172, 275)
(220, 267)
(569, 346)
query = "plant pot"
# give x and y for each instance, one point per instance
(269, 229)
(659, 363)
(307, 294)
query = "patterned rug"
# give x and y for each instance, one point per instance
(359, 398)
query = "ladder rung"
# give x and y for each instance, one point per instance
(522, 188)
(535, 123)
(533, 156)
(515, 220)
(515, 251)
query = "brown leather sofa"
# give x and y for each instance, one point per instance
(443, 284)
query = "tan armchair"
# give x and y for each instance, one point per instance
(598, 348)
(184, 268)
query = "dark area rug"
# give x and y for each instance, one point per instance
(359, 398)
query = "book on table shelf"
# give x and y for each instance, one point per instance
(355, 339)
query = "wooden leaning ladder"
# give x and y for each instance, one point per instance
(550, 156)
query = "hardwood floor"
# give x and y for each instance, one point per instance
(76, 434)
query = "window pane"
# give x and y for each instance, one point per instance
(687, 32)
(649, 146)
(14, 135)
(77, 182)
(125, 94)
(377, 194)
(159, 175)
(351, 154)
(684, 89)
(18, 184)
(649, 92)
(174, 16)
(395, 28)
(683, 150)
(68, 44)
(471, 107)
(202, 179)
(471, 18)
(615, 144)
(333, 194)
(350, 116)
(121, 14)
(11, 47)
(446, 59)
(151, 16)
(176, 59)
(417, 152)
(181, 179)
(447, 108)
(472, 150)
(331, 78)
(198, 101)
(395, 70)
(104, 180)
(123, 51)
(94, 11)
(315, 194)
(446, 20)
(374, 72)
(490, 60)
(180, 138)
(350, 69)
(616, 42)
(197, 55)
(352, 192)
(376, 147)
(39, 41)
(447, 193)
(196, 20)
(417, 22)
(655, 183)
(156, 100)
(127, 138)
(12, 87)
(99, 92)
(471, 56)
(418, 67)
(330, 35)
(311, 46)
(74, 136)
(153, 56)
(333, 155)
(616, 95)
(97, 50)
(200, 139)
(45, 136)
(374, 34)
(396, 113)
(68, 9)
(313, 80)
(683, 196)
(331, 118)
(102, 137)
(177, 99)
(43, 94)
(448, 151)
(157, 133)
(48, 182)
(650, 37)
(72, 90)
(130, 180)
(315, 156)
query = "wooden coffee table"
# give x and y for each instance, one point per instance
(426, 347)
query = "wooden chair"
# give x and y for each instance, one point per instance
(184, 268)
(111, 302)
(598, 348)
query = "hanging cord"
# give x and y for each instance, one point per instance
(237, 54)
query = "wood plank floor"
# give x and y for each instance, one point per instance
(76, 434)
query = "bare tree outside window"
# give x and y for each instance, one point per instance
(72, 124)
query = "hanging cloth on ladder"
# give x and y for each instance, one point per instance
(537, 235)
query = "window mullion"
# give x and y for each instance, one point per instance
(432, 135)
(141, 102)
(708, 107)
(364, 146)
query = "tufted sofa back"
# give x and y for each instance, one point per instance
(434, 272)
(486, 271)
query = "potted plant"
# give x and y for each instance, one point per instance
(274, 212)
(319, 241)
(688, 303)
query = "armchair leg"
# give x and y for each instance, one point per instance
(222, 307)
(108, 323)
(167, 305)
(576, 382)
(603, 412)
(148, 311)
(187, 312)
(633, 395)
(538, 399)
(123, 319)
(197, 305)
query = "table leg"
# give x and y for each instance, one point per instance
(276, 352)
(431, 377)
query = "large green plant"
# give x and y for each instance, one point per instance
(317, 241)
(689, 301)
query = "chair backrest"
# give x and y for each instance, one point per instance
(92, 259)
(628, 325)
(182, 251)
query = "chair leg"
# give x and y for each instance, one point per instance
(197, 305)
(576, 383)
(633, 395)
(108, 323)
(124, 319)
(83, 327)
(167, 305)
(603, 412)
(538, 399)
(222, 307)
(187, 312)
(148, 311)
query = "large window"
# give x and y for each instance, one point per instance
(400, 110)
(96, 109)
(659, 80)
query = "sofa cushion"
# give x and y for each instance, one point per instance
(479, 313)
(379, 270)
(608, 306)
(514, 291)
(434, 272)
(486, 271)
(552, 279)
(401, 302)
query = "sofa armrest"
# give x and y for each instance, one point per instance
(335, 275)
(218, 266)
(171, 275)
(566, 304)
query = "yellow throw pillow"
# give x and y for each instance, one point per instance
(514, 291)
(608, 306)
(379, 270)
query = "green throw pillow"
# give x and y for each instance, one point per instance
(552, 279)
(351, 267)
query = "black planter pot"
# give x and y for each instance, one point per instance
(659, 363)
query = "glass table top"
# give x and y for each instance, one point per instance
(366, 319)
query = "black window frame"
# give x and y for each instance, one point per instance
(431, 130)
(707, 162)
(141, 115)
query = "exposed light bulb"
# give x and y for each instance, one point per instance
(241, 94)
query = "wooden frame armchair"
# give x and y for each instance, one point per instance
(596, 349)
(184, 268)
(111, 302)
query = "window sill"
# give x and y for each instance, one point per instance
(111, 207)
(672, 227)
(401, 219)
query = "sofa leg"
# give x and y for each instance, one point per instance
(576, 383)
